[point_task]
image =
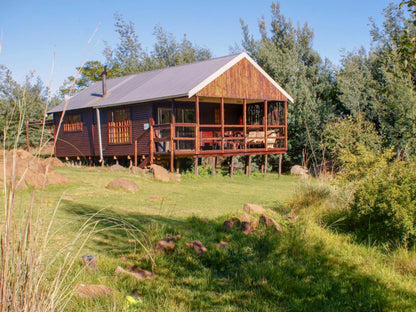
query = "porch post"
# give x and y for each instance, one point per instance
(214, 165)
(286, 125)
(280, 164)
(265, 125)
(197, 143)
(172, 135)
(196, 166)
(232, 167)
(222, 124)
(245, 122)
(265, 165)
(151, 139)
(249, 166)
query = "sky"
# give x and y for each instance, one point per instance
(32, 31)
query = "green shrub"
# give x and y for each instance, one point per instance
(383, 207)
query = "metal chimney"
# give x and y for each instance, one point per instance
(104, 80)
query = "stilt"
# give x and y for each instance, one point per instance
(249, 166)
(135, 153)
(214, 165)
(265, 165)
(196, 166)
(232, 167)
(280, 165)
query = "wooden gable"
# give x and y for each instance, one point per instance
(243, 81)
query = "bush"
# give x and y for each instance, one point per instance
(383, 207)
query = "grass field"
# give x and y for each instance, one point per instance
(308, 267)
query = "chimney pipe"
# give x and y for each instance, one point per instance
(104, 80)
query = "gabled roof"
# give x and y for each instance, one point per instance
(171, 82)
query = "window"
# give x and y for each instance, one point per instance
(72, 123)
(119, 126)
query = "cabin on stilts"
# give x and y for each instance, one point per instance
(226, 106)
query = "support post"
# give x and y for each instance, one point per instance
(214, 165)
(27, 135)
(265, 125)
(285, 124)
(280, 165)
(222, 124)
(249, 166)
(172, 147)
(135, 153)
(245, 122)
(232, 167)
(265, 165)
(151, 139)
(196, 166)
(197, 144)
(100, 140)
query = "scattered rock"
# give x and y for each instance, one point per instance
(124, 184)
(222, 244)
(160, 173)
(138, 171)
(175, 177)
(197, 246)
(135, 272)
(254, 224)
(92, 291)
(299, 171)
(230, 224)
(116, 167)
(90, 262)
(167, 244)
(253, 208)
(267, 221)
(246, 227)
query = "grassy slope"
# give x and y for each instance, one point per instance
(307, 268)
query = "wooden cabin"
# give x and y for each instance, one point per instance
(225, 106)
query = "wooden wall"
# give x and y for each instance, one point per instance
(242, 81)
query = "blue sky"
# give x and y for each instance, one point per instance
(33, 29)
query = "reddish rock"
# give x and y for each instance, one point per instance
(135, 272)
(253, 208)
(267, 221)
(197, 246)
(222, 244)
(167, 244)
(246, 227)
(160, 173)
(230, 224)
(124, 184)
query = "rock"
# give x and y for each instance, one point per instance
(167, 244)
(116, 167)
(90, 262)
(138, 171)
(175, 177)
(253, 208)
(57, 179)
(197, 246)
(246, 227)
(267, 221)
(124, 184)
(299, 171)
(135, 272)
(160, 173)
(92, 291)
(254, 224)
(222, 244)
(230, 224)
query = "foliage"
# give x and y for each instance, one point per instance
(18, 104)
(383, 208)
(349, 137)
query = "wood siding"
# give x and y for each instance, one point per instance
(75, 143)
(242, 81)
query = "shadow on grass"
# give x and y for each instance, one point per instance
(264, 271)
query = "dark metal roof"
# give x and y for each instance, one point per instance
(171, 82)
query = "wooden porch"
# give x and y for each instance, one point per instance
(263, 132)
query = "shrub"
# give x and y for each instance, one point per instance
(383, 207)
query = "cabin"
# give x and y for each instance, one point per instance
(225, 106)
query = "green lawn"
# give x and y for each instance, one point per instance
(308, 267)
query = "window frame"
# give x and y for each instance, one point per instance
(71, 125)
(124, 127)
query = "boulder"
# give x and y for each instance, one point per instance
(160, 173)
(116, 167)
(167, 244)
(124, 184)
(253, 208)
(267, 221)
(230, 224)
(135, 272)
(299, 171)
(91, 291)
(197, 246)
(175, 177)
(137, 170)
(246, 227)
